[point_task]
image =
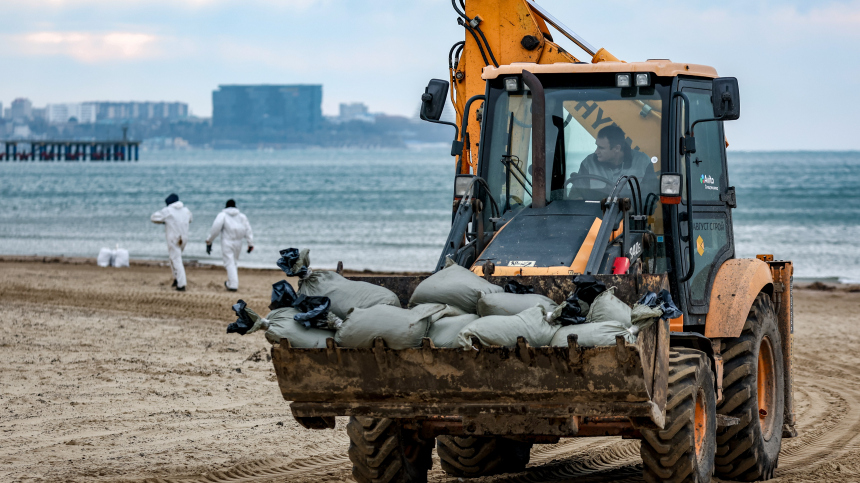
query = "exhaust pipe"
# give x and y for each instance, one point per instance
(538, 139)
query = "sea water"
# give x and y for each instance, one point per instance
(378, 209)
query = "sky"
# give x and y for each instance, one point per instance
(796, 61)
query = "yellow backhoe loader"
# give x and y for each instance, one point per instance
(604, 168)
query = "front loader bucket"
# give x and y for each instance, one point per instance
(547, 383)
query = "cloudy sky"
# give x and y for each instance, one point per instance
(796, 60)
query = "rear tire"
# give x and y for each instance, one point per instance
(753, 392)
(684, 450)
(472, 456)
(381, 451)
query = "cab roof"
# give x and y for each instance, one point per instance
(660, 68)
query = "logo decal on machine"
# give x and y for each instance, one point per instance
(700, 246)
(521, 263)
(635, 250)
(709, 181)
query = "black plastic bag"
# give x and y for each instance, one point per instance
(588, 288)
(670, 311)
(516, 287)
(283, 295)
(244, 323)
(572, 312)
(663, 301)
(288, 259)
(649, 299)
(313, 311)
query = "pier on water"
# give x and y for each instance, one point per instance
(32, 150)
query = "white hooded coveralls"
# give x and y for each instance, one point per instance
(233, 226)
(176, 218)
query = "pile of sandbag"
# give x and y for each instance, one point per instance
(117, 257)
(454, 307)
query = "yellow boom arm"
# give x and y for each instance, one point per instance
(500, 32)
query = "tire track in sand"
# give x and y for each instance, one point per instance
(267, 469)
(831, 414)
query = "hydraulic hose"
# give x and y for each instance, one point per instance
(451, 55)
(466, 22)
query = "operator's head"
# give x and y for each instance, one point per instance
(231, 204)
(173, 198)
(611, 145)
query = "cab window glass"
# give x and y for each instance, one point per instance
(706, 162)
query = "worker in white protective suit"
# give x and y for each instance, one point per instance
(233, 227)
(176, 218)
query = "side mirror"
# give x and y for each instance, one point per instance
(433, 99)
(727, 99)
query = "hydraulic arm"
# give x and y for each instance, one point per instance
(500, 32)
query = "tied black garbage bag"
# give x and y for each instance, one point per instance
(313, 311)
(288, 260)
(283, 295)
(573, 312)
(516, 287)
(244, 323)
(588, 288)
(662, 301)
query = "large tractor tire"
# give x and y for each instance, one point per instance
(471, 456)
(753, 392)
(684, 450)
(381, 451)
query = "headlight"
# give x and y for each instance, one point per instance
(461, 185)
(670, 188)
(643, 80)
(512, 84)
(622, 80)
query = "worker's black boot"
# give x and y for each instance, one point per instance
(174, 283)
(180, 289)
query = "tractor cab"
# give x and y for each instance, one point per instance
(582, 169)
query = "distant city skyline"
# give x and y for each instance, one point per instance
(383, 53)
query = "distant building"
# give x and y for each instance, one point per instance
(61, 113)
(295, 108)
(21, 109)
(133, 111)
(356, 111)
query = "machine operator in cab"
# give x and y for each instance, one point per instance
(614, 158)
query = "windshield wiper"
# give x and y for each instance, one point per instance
(507, 160)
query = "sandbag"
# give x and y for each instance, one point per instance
(453, 285)
(512, 303)
(399, 328)
(282, 325)
(120, 258)
(346, 294)
(596, 334)
(444, 331)
(607, 307)
(642, 313)
(105, 257)
(503, 330)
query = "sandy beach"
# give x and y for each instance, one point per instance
(110, 375)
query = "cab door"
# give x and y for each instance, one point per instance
(712, 198)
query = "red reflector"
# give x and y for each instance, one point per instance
(621, 265)
(670, 200)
